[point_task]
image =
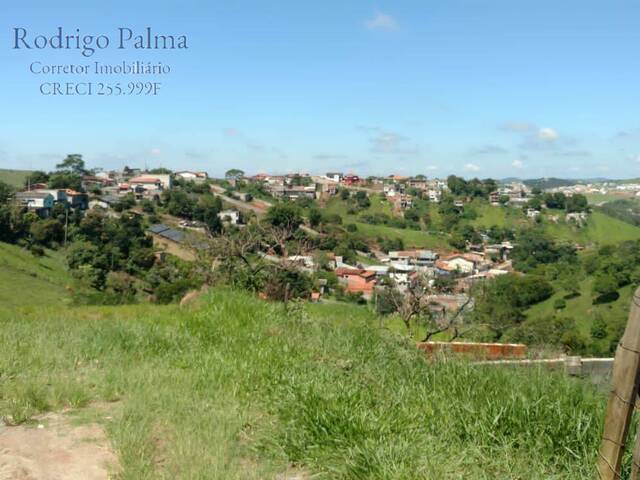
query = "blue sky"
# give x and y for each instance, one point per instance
(477, 88)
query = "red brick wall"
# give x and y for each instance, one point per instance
(485, 351)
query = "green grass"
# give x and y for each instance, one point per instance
(15, 178)
(26, 280)
(235, 388)
(369, 233)
(583, 311)
(600, 229)
(594, 198)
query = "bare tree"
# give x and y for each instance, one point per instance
(414, 307)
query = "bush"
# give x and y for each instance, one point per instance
(559, 303)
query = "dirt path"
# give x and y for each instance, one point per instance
(55, 449)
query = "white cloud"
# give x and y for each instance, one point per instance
(382, 21)
(548, 134)
(155, 151)
(634, 158)
(517, 163)
(471, 167)
(431, 168)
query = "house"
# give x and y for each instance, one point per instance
(434, 195)
(419, 258)
(38, 201)
(402, 275)
(151, 184)
(292, 192)
(328, 189)
(197, 177)
(351, 179)
(357, 280)
(336, 177)
(417, 184)
(458, 203)
(231, 216)
(166, 180)
(104, 201)
(494, 198)
(456, 263)
(403, 202)
(532, 213)
(461, 263)
(91, 181)
(77, 199)
(59, 195)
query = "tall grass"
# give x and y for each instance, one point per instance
(238, 388)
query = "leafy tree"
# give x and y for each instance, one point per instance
(46, 232)
(65, 179)
(315, 217)
(362, 199)
(534, 248)
(5, 192)
(72, 164)
(412, 214)
(598, 327)
(576, 203)
(37, 176)
(234, 174)
(284, 215)
(605, 288)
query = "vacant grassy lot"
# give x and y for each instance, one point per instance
(236, 388)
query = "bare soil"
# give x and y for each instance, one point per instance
(55, 449)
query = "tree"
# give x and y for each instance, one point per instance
(73, 164)
(46, 232)
(284, 215)
(576, 203)
(605, 288)
(315, 217)
(5, 192)
(234, 174)
(412, 305)
(37, 176)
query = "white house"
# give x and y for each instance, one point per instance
(35, 200)
(192, 176)
(231, 216)
(532, 213)
(334, 176)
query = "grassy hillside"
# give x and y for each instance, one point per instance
(601, 229)
(236, 388)
(14, 178)
(26, 280)
(584, 312)
(411, 238)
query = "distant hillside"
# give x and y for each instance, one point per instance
(26, 280)
(551, 182)
(15, 178)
